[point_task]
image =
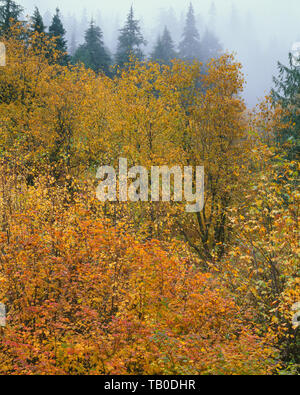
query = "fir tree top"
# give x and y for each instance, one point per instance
(37, 22)
(190, 47)
(57, 30)
(93, 53)
(210, 46)
(164, 50)
(130, 41)
(287, 93)
(10, 12)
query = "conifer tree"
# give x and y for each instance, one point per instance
(164, 50)
(210, 46)
(130, 41)
(10, 12)
(287, 94)
(57, 31)
(190, 46)
(37, 23)
(157, 53)
(73, 43)
(93, 52)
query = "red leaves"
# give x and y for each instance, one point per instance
(87, 298)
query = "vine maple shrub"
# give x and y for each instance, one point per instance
(123, 287)
(84, 297)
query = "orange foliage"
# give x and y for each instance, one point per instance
(145, 288)
(87, 298)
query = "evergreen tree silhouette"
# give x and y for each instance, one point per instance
(130, 41)
(10, 12)
(210, 46)
(164, 50)
(287, 94)
(93, 52)
(37, 23)
(190, 46)
(57, 31)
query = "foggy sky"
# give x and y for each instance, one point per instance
(260, 32)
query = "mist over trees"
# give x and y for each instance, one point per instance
(93, 52)
(130, 41)
(164, 50)
(190, 46)
(57, 31)
(251, 35)
(231, 26)
(92, 283)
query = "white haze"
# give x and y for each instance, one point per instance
(260, 32)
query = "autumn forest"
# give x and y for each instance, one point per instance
(144, 288)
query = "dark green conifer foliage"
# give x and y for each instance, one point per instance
(190, 46)
(93, 52)
(287, 93)
(130, 41)
(37, 24)
(57, 31)
(164, 50)
(10, 12)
